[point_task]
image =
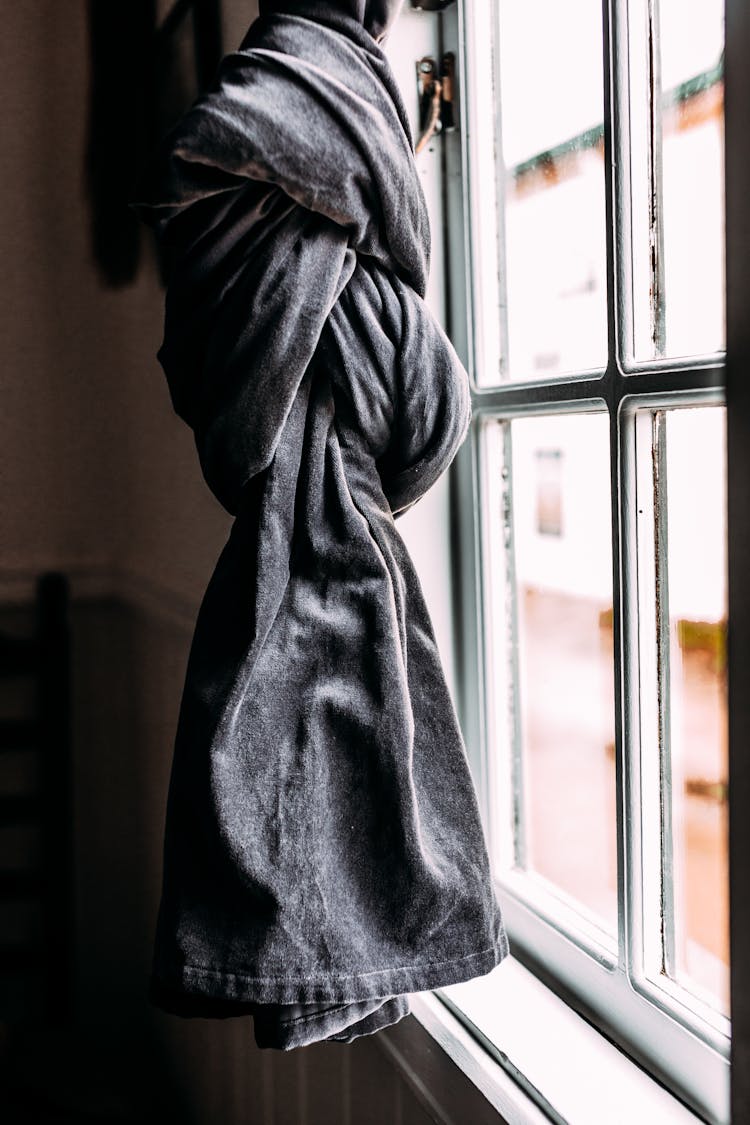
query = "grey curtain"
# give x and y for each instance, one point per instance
(324, 855)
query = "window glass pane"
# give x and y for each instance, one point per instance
(684, 755)
(677, 121)
(553, 311)
(562, 651)
(696, 536)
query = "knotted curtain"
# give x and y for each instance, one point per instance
(324, 854)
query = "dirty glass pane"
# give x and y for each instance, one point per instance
(552, 229)
(677, 123)
(562, 651)
(696, 487)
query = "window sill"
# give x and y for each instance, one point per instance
(536, 1060)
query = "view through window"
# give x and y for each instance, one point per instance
(601, 468)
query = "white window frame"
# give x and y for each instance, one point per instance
(687, 1049)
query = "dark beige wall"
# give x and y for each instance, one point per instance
(58, 328)
(96, 472)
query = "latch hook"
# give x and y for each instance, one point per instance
(436, 98)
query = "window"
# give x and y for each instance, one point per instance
(592, 507)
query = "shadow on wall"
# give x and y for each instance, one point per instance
(174, 53)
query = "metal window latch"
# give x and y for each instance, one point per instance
(436, 87)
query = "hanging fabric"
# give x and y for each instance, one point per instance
(324, 855)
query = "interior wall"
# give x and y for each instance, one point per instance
(100, 480)
(97, 473)
(62, 447)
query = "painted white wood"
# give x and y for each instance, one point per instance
(579, 1073)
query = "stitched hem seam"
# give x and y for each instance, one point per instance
(195, 980)
(200, 970)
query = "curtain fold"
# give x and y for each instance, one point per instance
(324, 855)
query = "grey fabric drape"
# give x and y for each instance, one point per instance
(323, 854)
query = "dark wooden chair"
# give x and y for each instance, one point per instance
(36, 881)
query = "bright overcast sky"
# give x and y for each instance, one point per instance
(551, 72)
